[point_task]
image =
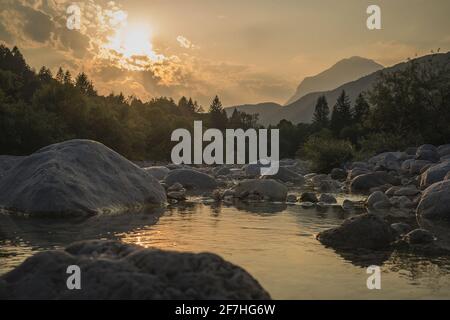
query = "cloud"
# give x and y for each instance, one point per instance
(185, 42)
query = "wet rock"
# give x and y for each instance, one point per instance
(177, 195)
(338, 174)
(309, 197)
(401, 228)
(378, 200)
(367, 181)
(364, 231)
(435, 202)
(158, 172)
(419, 236)
(265, 188)
(77, 178)
(291, 198)
(307, 204)
(408, 191)
(435, 173)
(348, 205)
(191, 179)
(329, 186)
(114, 270)
(327, 198)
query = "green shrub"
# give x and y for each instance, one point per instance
(326, 153)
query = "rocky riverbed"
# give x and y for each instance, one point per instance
(393, 202)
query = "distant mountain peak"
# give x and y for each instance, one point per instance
(343, 71)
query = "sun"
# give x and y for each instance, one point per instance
(131, 46)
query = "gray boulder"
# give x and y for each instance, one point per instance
(77, 178)
(357, 172)
(264, 188)
(367, 181)
(377, 199)
(114, 270)
(364, 231)
(286, 175)
(435, 173)
(309, 197)
(158, 172)
(327, 198)
(444, 150)
(408, 191)
(435, 202)
(401, 228)
(191, 179)
(417, 166)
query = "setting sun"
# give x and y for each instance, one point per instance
(132, 47)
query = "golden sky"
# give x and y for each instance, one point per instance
(245, 51)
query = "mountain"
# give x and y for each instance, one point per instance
(342, 72)
(302, 110)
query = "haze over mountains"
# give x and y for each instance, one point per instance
(342, 72)
(302, 110)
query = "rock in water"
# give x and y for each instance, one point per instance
(158, 172)
(114, 270)
(191, 179)
(364, 231)
(77, 178)
(286, 175)
(435, 202)
(367, 181)
(266, 188)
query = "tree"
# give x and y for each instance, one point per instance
(341, 116)
(68, 78)
(82, 82)
(60, 75)
(321, 113)
(361, 109)
(45, 75)
(217, 115)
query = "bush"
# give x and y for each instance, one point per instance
(326, 153)
(377, 143)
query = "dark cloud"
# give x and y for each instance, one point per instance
(38, 25)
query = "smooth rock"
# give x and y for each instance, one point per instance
(114, 270)
(419, 236)
(291, 198)
(401, 228)
(309, 197)
(77, 178)
(327, 198)
(435, 173)
(375, 198)
(191, 179)
(158, 172)
(364, 231)
(265, 188)
(435, 202)
(367, 181)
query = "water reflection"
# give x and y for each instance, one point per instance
(274, 242)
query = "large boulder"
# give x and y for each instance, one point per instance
(435, 202)
(158, 172)
(417, 166)
(388, 160)
(266, 188)
(77, 178)
(191, 179)
(114, 270)
(365, 182)
(434, 174)
(364, 231)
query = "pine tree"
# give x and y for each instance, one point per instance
(82, 82)
(60, 75)
(217, 116)
(361, 110)
(45, 75)
(321, 113)
(68, 78)
(341, 116)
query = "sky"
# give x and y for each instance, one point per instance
(245, 51)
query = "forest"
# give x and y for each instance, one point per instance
(406, 108)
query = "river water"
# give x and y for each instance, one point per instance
(273, 242)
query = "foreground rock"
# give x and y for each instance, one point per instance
(191, 179)
(261, 189)
(435, 202)
(365, 231)
(77, 178)
(113, 270)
